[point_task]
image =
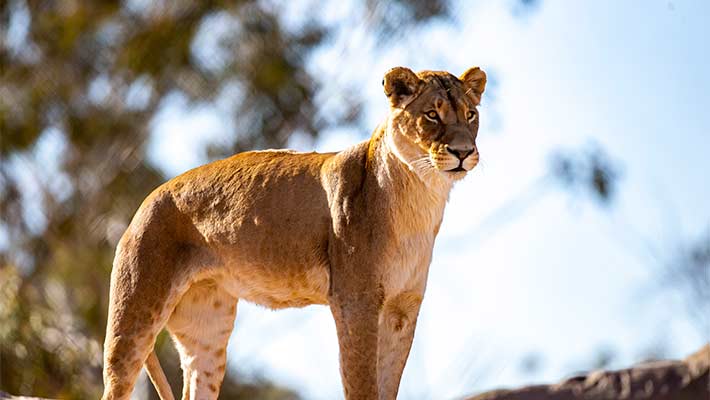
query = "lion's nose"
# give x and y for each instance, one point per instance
(461, 153)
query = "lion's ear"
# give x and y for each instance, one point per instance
(474, 80)
(401, 85)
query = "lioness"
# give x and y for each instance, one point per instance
(353, 230)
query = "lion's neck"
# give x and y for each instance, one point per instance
(415, 198)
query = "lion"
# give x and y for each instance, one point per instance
(353, 230)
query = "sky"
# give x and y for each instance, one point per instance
(555, 277)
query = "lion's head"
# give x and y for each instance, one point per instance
(433, 122)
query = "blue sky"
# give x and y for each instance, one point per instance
(563, 277)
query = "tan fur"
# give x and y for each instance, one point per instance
(354, 230)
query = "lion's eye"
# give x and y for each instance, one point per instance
(432, 116)
(471, 116)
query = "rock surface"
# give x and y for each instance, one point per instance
(688, 379)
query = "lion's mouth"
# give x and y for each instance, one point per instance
(460, 168)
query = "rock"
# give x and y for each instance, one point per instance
(688, 379)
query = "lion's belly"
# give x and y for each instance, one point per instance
(278, 286)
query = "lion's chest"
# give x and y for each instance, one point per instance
(408, 263)
(410, 250)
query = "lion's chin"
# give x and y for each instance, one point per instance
(456, 174)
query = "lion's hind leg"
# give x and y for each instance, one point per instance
(156, 260)
(200, 327)
(141, 300)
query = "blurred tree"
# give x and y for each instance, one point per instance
(80, 83)
(589, 171)
(688, 273)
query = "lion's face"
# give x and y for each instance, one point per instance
(434, 120)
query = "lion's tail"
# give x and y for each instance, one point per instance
(157, 376)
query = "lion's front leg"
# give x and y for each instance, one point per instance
(356, 324)
(397, 322)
